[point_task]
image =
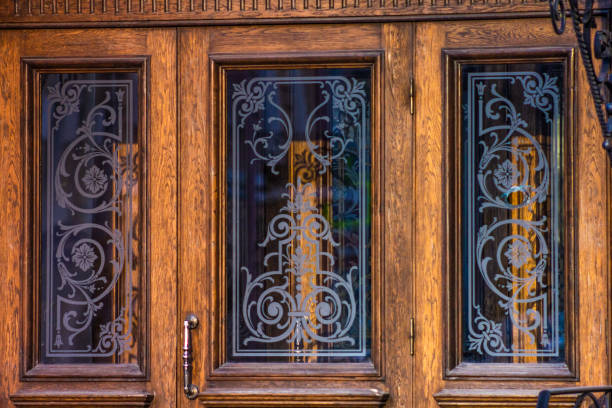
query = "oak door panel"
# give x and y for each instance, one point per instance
(93, 51)
(385, 48)
(436, 381)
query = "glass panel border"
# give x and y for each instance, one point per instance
(32, 367)
(219, 366)
(454, 367)
(318, 228)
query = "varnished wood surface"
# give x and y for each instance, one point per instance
(453, 59)
(32, 270)
(221, 62)
(428, 213)
(295, 397)
(197, 195)
(593, 255)
(399, 198)
(592, 246)
(87, 399)
(183, 193)
(163, 210)
(11, 190)
(200, 137)
(487, 398)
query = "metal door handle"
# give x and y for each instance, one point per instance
(190, 323)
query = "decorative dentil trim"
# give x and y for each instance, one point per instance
(153, 12)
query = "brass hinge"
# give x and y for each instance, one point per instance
(411, 336)
(411, 95)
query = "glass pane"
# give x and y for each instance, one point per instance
(90, 217)
(298, 214)
(512, 209)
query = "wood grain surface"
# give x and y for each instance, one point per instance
(184, 190)
(160, 45)
(164, 318)
(592, 225)
(86, 399)
(399, 211)
(196, 195)
(11, 192)
(200, 134)
(22, 13)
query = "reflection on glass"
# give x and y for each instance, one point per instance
(512, 208)
(90, 216)
(298, 214)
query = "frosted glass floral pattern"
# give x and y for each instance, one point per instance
(512, 208)
(90, 208)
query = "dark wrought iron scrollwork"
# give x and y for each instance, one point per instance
(599, 46)
(596, 397)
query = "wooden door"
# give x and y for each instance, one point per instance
(512, 249)
(272, 120)
(89, 198)
(334, 176)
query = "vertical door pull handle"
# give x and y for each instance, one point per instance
(190, 323)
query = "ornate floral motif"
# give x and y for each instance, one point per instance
(66, 97)
(507, 174)
(272, 311)
(83, 256)
(511, 254)
(517, 283)
(95, 180)
(489, 338)
(541, 92)
(307, 297)
(270, 138)
(503, 140)
(86, 271)
(518, 253)
(115, 335)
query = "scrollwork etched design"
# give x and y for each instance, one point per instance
(303, 294)
(488, 338)
(519, 286)
(347, 97)
(511, 256)
(299, 232)
(507, 178)
(93, 176)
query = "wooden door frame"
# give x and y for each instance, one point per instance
(42, 385)
(434, 386)
(228, 384)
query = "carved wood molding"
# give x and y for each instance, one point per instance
(487, 398)
(313, 398)
(180, 12)
(33, 399)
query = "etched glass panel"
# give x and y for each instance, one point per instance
(512, 209)
(298, 214)
(89, 185)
